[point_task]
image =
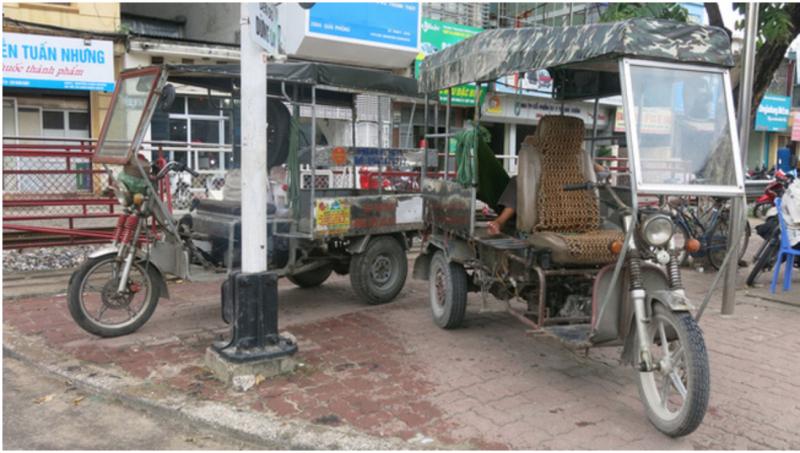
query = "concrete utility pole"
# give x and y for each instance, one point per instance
(739, 207)
(254, 149)
(251, 296)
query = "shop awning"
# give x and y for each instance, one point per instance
(220, 77)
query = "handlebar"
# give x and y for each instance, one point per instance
(177, 166)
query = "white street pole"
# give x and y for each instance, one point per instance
(254, 149)
(738, 207)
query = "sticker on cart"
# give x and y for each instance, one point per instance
(332, 215)
(409, 211)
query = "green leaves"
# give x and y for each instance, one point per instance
(774, 22)
(622, 11)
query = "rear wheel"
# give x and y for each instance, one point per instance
(718, 244)
(312, 278)
(676, 393)
(760, 210)
(447, 284)
(378, 274)
(764, 259)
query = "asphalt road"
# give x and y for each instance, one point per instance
(43, 413)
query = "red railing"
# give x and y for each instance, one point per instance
(53, 194)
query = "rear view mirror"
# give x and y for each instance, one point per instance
(167, 97)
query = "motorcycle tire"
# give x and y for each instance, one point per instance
(278, 129)
(694, 380)
(760, 210)
(378, 274)
(447, 283)
(764, 259)
(312, 278)
(87, 322)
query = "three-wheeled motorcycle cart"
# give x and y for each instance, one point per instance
(349, 209)
(566, 270)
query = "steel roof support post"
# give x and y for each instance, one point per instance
(594, 122)
(250, 296)
(447, 132)
(737, 203)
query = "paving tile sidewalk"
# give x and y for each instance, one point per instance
(387, 371)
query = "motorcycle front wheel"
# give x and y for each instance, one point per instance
(675, 394)
(98, 308)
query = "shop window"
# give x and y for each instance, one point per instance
(179, 106)
(203, 106)
(53, 120)
(78, 121)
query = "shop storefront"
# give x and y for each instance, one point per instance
(511, 118)
(50, 82)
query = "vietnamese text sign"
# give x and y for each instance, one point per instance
(38, 61)
(437, 35)
(264, 27)
(394, 24)
(773, 113)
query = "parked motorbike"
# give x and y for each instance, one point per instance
(117, 289)
(774, 190)
(770, 231)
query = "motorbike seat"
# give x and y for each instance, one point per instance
(565, 222)
(226, 207)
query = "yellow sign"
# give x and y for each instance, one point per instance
(332, 215)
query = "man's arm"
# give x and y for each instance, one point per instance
(497, 224)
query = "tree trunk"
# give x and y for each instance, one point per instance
(768, 57)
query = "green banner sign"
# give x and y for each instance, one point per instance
(437, 35)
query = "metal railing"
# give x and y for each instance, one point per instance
(53, 193)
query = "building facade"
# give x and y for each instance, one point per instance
(60, 62)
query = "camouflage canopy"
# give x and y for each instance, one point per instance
(571, 53)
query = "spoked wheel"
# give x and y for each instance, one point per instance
(676, 393)
(765, 257)
(98, 308)
(718, 244)
(447, 284)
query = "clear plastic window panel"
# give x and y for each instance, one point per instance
(682, 127)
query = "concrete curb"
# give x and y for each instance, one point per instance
(251, 427)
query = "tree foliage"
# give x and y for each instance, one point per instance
(622, 11)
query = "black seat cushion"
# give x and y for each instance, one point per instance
(227, 207)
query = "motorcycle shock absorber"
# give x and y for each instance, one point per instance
(673, 267)
(119, 228)
(128, 229)
(635, 269)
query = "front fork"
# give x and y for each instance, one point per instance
(638, 296)
(128, 251)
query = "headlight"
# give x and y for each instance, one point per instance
(122, 193)
(657, 230)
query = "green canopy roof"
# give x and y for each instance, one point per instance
(492, 54)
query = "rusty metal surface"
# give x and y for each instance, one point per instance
(366, 214)
(449, 206)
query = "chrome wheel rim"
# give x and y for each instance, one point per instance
(100, 302)
(665, 389)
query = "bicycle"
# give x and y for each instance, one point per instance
(710, 226)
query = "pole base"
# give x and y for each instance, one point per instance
(250, 302)
(243, 374)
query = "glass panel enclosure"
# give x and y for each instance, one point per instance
(683, 128)
(129, 106)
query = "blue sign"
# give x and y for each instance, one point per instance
(395, 24)
(58, 63)
(773, 113)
